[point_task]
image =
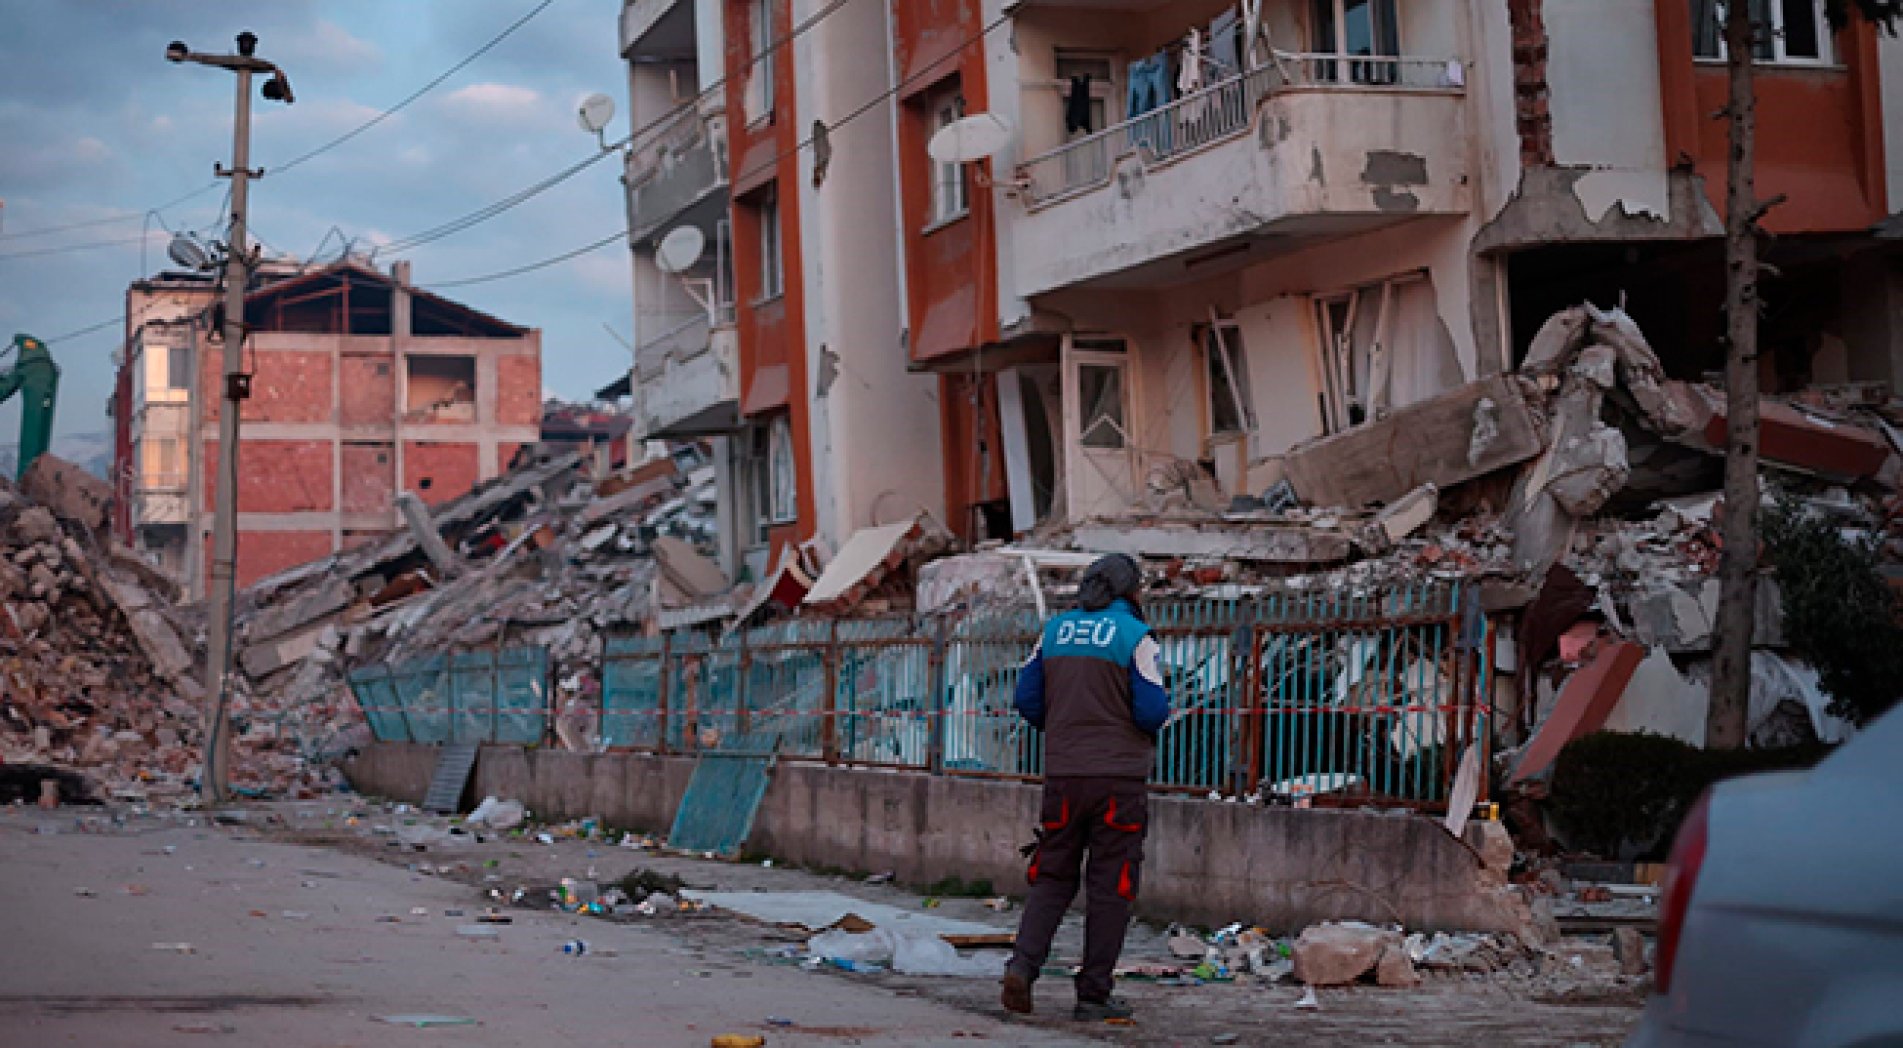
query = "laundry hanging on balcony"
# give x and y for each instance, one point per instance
(1151, 86)
(1077, 106)
(1189, 77)
(1225, 48)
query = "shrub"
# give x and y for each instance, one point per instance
(1839, 614)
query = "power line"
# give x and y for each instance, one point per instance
(769, 162)
(483, 214)
(87, 330)
(124, 216)
(414, 95)
(65, 249)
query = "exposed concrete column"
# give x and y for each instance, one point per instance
(400, 300)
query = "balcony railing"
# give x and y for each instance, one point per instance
(675, 134)
(1217, 113)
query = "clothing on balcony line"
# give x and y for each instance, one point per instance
(1225, 31)
(1077, 106)
(1189, 78)
(1150, 85)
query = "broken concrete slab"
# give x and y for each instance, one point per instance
(1798, 440)
(69, 491)
(1585, 702)
(1395, 969)
(1429, 442)
(1234, 540)
(862, 564)
(696, 577)
(447, 564)
(1401, 518)
(1658, 701)
(1340, 954)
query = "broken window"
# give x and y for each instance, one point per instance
(1228, 380)
(1357, 28)
(950, 198)
(1383, 346)
(1101, 396)
(441, 389)
(1788, 31)
(785, 479)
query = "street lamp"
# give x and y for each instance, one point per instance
(237, 386)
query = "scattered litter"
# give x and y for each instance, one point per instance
(175, 947)
(421, 1021)
(478, 931)
(909, 951)
(1308, 1001)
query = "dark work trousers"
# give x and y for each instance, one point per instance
(1093, 828)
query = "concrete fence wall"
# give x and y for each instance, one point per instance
(1207, 862)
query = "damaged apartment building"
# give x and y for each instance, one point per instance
(362, 386)
(1202, 234)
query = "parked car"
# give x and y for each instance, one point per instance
(1782, 918)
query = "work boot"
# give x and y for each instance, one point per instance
(1101, 1011)
(1017, 993)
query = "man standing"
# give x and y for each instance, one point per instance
(1092, 685)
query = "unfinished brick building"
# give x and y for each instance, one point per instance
(363, 386)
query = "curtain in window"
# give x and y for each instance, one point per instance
(1707, 28)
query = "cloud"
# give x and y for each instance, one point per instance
(330, 46)
(494, 102)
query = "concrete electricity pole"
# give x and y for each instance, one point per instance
(214, 778)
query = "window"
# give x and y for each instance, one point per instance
(1788, 31)
(759, 95)
(1383, 346)
(1351, 28)
(949, 196)
(178, 367)
(784, 493)
(1228, 381)
(1100, 392)
(772, 265)
(169, 465)
(441, 389)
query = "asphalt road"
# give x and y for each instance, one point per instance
(290, 947)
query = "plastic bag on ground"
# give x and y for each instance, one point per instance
(909, 953)
(496, 814)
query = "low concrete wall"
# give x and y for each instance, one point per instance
(1206, 863)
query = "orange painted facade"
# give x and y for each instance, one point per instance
(765, 159)
(951, 306)
(1819, 128)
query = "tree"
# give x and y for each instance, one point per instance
(1745, 20)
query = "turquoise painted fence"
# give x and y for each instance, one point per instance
(1321, 698)
(480, 696)
(1325, 697)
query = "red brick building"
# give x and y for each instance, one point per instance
(363, 386)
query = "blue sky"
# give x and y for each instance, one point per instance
(94, 122)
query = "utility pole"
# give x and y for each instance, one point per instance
(215, 776)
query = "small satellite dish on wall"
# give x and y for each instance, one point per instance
(596, 110)
(976, 137)
(680, 249)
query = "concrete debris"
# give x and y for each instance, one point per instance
(1338, 954)
(868, 570)
(97, 665)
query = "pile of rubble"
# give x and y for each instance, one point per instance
(96, 663)
(548, 555)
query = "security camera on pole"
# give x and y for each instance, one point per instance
(237, 387)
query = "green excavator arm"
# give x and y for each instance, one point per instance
(34, 376)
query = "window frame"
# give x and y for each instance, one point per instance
(1236, 376)
(772, 236)
(1380, 68)
(951, 185)
(178, 378)
(759, 94)
(1106, 91)
(782, 472)
(1826, 57)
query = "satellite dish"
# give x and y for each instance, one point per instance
(975, 137)
(596, 110)
(680, 249)
(188, 253)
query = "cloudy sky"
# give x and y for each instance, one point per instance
(95, 124)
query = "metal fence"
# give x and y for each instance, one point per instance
(1219, 112)
(478, 696)
(1327, 696)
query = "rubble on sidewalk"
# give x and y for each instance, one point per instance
(97, 664)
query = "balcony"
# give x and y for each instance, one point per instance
(657, 29)
(161, 498)
(681, 167)
(687, 377)
(1307, 146)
